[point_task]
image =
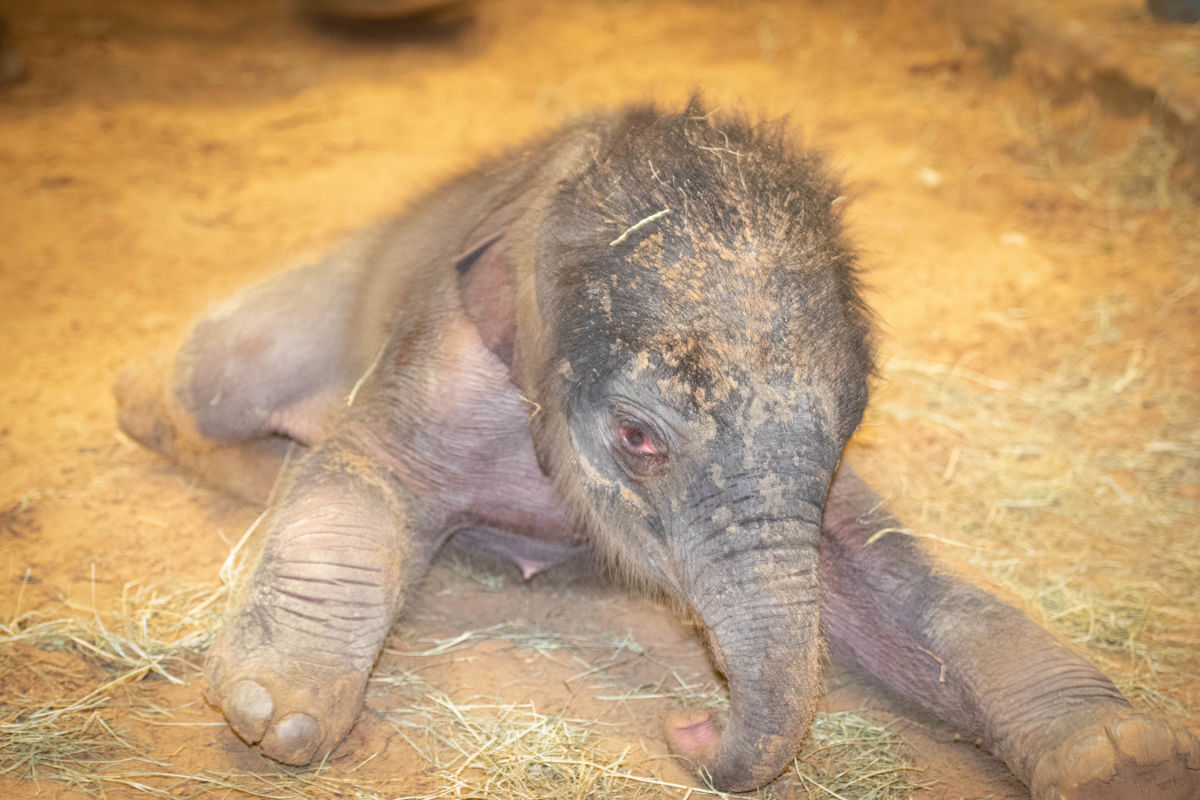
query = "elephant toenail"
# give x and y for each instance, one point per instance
(249, 708)
(295, 739)
(1143, 742)
(1092, 759)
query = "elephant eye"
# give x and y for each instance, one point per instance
(639, 448)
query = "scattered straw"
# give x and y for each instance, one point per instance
(480, 748)
(37, 742)
(484, 748)
(849, 757)
(153, 632)
(92, 736)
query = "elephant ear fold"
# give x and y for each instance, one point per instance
(487, 284)
(487, 268)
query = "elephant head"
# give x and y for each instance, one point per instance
(695, 341)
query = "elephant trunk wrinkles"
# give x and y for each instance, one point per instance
(761, 611)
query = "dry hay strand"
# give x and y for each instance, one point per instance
(612, 650)
(81, 745)
(528, 637)
(154, 633)
(75, 746)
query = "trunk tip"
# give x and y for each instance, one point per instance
(723, 762)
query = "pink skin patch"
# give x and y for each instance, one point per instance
(529, 567)
(693, 735)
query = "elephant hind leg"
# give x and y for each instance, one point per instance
(981, 664)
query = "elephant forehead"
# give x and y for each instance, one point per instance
(718, 309)
(732, 382)
(718, 281)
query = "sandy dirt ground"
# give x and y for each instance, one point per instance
(1035, 267)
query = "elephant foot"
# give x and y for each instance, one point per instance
(1120, 753)
(247, 468)
(141, 407)
(295, 706)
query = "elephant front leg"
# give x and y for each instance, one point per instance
(290, 667)
(981, 664)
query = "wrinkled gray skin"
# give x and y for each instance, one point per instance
(642, 335)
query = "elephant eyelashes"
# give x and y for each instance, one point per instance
(639, 449)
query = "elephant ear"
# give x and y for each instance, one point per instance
(487, 284)
(487, 268)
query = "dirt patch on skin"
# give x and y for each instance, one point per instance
(1033, 266)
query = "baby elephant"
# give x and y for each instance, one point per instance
(642, 335)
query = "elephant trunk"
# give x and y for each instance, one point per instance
(761, 615)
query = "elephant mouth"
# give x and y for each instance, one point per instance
(693, 735)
